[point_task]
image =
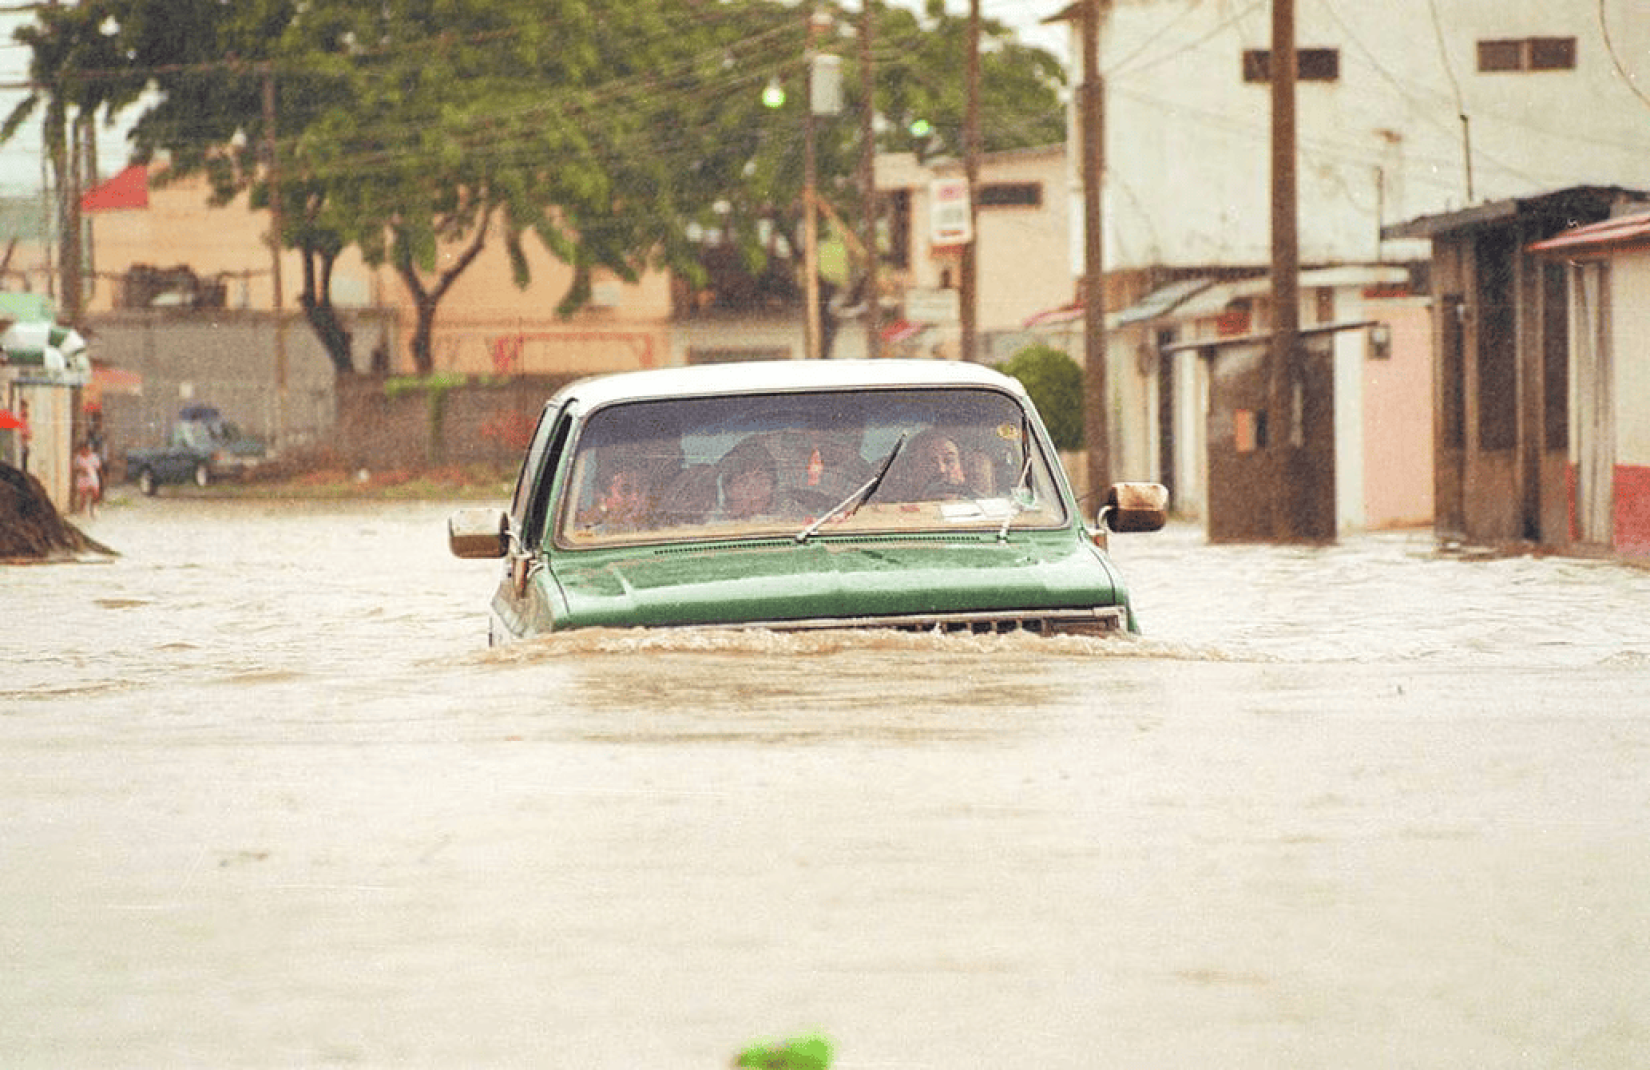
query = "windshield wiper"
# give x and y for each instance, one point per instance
(850, 505)
(1017, 498)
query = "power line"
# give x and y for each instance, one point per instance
(1615, 58)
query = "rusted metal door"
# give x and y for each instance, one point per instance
(1245, 478)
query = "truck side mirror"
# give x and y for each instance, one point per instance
(1135, 507)
(479, 532)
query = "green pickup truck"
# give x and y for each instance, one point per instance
(796, 495)
(202, 447)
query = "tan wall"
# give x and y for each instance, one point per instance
(482, 319)
(1023, 253)
(473, 422)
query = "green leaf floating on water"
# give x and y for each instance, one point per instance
(802, 1053)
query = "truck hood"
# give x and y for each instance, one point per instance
(782, 580)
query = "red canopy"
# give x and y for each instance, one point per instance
(129, 189)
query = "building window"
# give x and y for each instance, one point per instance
(1311, 65)
(1011, 195)
(1495, 254)
(1527, 54)
(1324, 300)
(895, 241)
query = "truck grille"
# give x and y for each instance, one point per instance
(1099, 620)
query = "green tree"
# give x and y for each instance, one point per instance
(919, 81)
(1055, 382)
(624, 136)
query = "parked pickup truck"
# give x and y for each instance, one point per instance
(203, 447)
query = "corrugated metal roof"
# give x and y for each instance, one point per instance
(1592, 201)
(1162, 301)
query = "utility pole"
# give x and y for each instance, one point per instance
(1096, 425)
(276, 226)
(66, 151)
(969, 284)
(88, 180)
(1286, 386)
(868, 179)
(811, 341)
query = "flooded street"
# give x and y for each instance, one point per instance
(267, 800)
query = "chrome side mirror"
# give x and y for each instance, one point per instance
(1135, 507)
(479, 532)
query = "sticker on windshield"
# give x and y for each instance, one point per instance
(1008, 432)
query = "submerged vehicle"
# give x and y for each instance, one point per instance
(915, 494)
(202, 447)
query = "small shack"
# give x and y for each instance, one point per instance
(1608, 265)
(1505, 426)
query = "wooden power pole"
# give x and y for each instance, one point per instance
(969, 284)
(1096, 425)
(868, 180)
(1286, 397)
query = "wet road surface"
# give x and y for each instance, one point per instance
(265, 800)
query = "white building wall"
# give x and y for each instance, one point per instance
(1191, 442)
(1350, 349)
(1188, 141)
(1630, 342)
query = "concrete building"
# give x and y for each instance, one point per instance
(1502, 335)
(183, 299)
(1023, 259)
(1401, 111)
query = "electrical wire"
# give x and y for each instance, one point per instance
(1615, 57)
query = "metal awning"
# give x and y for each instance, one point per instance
(1159, 302)
(1162, 301)
(1263, 338)
(1598, 239)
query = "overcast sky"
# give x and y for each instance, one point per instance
(20, 159)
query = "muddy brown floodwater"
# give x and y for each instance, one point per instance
(267, 800)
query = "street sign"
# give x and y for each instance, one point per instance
(949, 215)
(937, 306)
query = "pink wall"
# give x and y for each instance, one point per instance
(1398, 476)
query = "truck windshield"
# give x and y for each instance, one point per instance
(740, 466)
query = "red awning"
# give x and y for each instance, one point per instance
(902, 331)
(129, 189)
(1623, 232)
(1053, 316)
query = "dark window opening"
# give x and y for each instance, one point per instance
(1011, 195)
(1452, 434)
(1497, 349)
(1324, 301)
(1500, 55)
(1311, 65)
(1555, 356)
(1552, 53)
(896, 250)
(1527, 54)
